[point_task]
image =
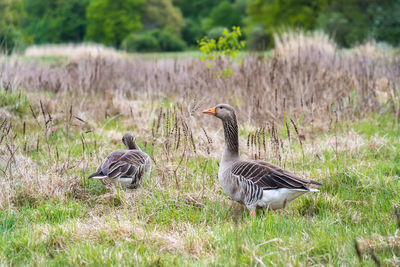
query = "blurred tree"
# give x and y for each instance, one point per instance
(143, 42)
(10, 11)
(192, 31)
(386, 26)
(11, 35)
(194, 12)
(51, 21)
(241, 6)
(168, 41)
(272, 15)
(353, 21)
(347, 21)
(72, 18)
(162, 14)
(196, 9)
(110, 21)
(152, 41)
(223, 15)
(215, 33)
(257, 38)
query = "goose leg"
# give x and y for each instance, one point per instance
(253, 213)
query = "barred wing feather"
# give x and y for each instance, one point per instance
(268, 176)
(124, 164)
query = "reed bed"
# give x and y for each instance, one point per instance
(307, 76)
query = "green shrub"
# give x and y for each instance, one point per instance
(257, 38)
(169, 42)
(215, 33)
(228, 46)
(11, 40)
(152, 41)
(144, 42)
(226, 15)
(192, 31)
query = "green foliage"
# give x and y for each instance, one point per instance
(153, 41)
(387, 23)
(11, 36)
(351, 22)
(196, 9)
(111, 21)
(227, 45)
(144, 42)
(162, 14)
(223, 15)
(348, 21)
(168, 41)
(12, 39)
(283, 13)
(257, 38)
(10, 11)
(192, 31)
(55, 21)
(216, 33)
(195, 13)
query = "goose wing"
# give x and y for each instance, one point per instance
(123, 163)
(268, 176)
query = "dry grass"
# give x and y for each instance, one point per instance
(291, 44)
(72, 51)
(312, 79)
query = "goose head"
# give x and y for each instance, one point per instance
(226, 114)
(222, 111)
(129, 140)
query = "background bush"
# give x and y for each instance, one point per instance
(110, 22)
(153, 41)
(144, 42)
(215, 33)
(168, 41)
(11, 40)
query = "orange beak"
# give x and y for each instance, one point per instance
(210, 111)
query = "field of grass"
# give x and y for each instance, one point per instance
(60, 118)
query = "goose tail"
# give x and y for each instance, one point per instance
(313, 190)
(97, 175)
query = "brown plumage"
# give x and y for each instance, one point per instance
(254, 183)
(128, 167)
(269, 176)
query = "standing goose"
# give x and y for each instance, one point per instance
(128, 167)
(254, 183)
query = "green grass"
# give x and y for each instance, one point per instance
(184, 218)
(14, 102)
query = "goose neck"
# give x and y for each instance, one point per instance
(132, 146)
(231, 137)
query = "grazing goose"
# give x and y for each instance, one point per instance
(128, 167)
(254, 183)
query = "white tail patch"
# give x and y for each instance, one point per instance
(99, 177)
(314, 190)
(279, 198)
